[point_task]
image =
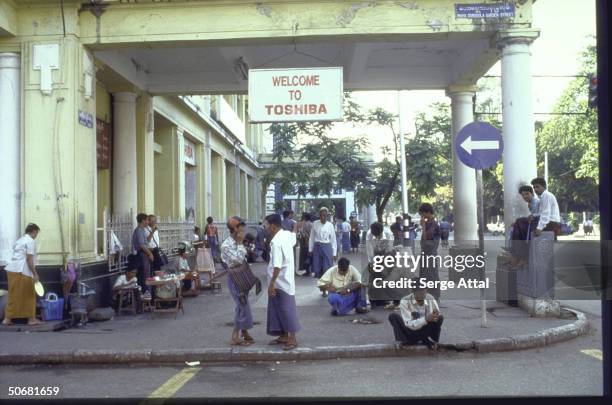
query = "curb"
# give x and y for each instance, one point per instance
(520, 342)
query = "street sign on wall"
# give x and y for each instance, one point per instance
(288, 95)
(479, 145)
(491, 10)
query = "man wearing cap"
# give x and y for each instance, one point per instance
(420, 319)
(322, 244)
(282, 311)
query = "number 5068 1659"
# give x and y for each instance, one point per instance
(32, 391)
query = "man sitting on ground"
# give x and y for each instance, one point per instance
(343, 284)
(420, 319)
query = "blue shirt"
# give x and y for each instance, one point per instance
(534, 205)
(139, 238)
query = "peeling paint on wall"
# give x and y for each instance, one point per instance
(264, 10)
(435, 24)
(348, 15)
(409, 6)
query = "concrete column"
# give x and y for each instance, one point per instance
(10, 145)
(520, 164)
(125, 184)
(146, 155)
(180, 159)
(237, 181)
(464, 178)
(206, 170)
(244, 196)
(225, 198)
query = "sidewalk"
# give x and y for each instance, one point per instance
(206, 324)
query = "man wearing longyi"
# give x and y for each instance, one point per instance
(282, 310)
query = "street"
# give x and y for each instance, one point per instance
(559, 370)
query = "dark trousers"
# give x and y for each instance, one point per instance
(304, 263)
(553, 227)
(408, 336)
(144, 272)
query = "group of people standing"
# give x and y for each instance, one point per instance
(282, 320)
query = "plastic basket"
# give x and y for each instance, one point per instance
(52, 307)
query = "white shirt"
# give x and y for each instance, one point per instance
(281, 256)
(548, 210)
(122, 282)
(322, 233)
(409, 307)
(154, 242)
(23, 247)
(386, 235)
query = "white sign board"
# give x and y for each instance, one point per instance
(288, 95)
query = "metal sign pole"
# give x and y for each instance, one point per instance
(480, 214)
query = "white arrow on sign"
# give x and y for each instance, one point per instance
(468, 145)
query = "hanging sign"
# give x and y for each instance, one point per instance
(288, 95)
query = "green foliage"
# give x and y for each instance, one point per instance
(428, 153)
(309, 161)
(572, 145)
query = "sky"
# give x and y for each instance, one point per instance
(564, 27)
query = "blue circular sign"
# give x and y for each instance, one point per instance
(479, 145)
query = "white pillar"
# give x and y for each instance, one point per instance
(10, 145)
(519, 156)
(464, 178)
(125, 196)
(207, 171)
(180, 158)
(350, 203)
(372, 214)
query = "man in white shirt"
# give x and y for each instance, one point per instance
(152, 234)
(282, 311)
(322, 244)
(548, 215)
(379, 241)
(420, 319)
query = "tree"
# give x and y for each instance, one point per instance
(308, 160)
(571, 140)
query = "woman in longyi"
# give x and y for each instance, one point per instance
(22, 275)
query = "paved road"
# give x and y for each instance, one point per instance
(570, 368)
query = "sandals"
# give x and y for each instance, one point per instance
(290, 346)
(239, 343)
(35, 323)
(277, 341)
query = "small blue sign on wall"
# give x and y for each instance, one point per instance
(479, 145)
(492, 10)
(86, 119)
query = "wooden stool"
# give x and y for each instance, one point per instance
(126, 301)
(216, 287)
(147, 305)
